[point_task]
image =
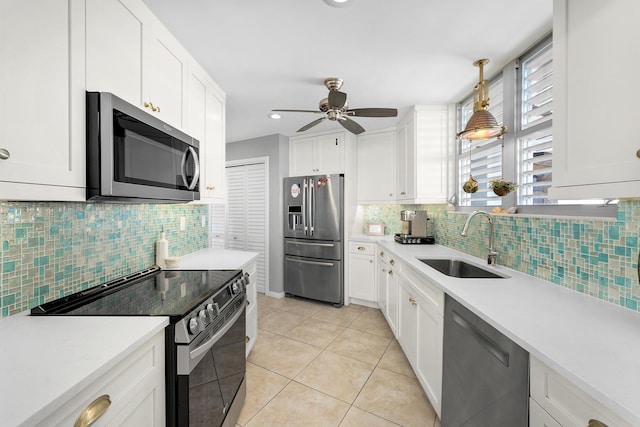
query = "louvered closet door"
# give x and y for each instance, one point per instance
(247, 214)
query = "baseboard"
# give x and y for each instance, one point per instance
(274, 294)
(366, 303)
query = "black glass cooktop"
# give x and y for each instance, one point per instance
(155, 293)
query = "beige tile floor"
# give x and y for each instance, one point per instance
(315, 365)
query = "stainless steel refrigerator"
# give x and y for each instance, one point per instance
(313, 231)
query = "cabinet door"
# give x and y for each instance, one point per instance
(362, 273)
(206, 124)
(406, 161)
(376, 179)
(431, 154)
(329, 153)
(392, 301)
(43, 100)
(114, 48)
(302, 157)
(430, 334)
(589, 158)
(408, 322)
(164, 68)
(538, 417)
(382, 279)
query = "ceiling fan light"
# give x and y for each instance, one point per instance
(275, 116)
(338, 3)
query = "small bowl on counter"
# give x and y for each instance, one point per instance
(172, 261)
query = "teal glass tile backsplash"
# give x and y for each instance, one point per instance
(54, 249)
(594, 256)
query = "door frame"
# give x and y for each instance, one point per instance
(255, 161)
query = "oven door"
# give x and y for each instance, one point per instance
(210, 374)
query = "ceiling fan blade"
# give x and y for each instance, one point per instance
(312, 124)
(351, 126)
(299, 111)
(373, 112)
(337, 99)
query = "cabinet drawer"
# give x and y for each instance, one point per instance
(431, 294)
(362, 248)
(538, 417)
(564, 401)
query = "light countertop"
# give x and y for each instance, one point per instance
(46, 360)
(593, 343)
(216, 259)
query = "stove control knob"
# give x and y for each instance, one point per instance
(211, 312)
(204, 320)
(236, 287)
(194, 325)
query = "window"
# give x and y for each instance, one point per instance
(521, 98)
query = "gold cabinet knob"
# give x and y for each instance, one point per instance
(392, 262)
(390, 273)
(370, 261)
(247, 339)
(390, 194)
(4, 154)
(210, 187)
(638, 154)
(150, 105)
(381, 253)
(413, 301)
(361, 248)
(596, 423)
(403, 193)
(95, 410)
(384, 270)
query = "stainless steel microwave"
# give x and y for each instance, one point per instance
(134, 157)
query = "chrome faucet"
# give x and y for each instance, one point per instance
(492, 255)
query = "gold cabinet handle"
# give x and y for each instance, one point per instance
(95, 410)
(638, 154)
(403, 193)
(392, 262)
(596, 423)
(413, 301)
(361, 248)
(247, 339)
(150, 105)
(211, 187)
(4, 154)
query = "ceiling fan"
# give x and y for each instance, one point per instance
(335, 107)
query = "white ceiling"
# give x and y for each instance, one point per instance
(397, 53)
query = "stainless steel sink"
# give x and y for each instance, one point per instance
(461, 269)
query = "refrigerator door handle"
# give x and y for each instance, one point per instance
(323, 264)
(312, 206)
(304, 205)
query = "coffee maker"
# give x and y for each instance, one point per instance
(415, 225)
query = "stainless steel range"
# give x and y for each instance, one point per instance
(205, 340)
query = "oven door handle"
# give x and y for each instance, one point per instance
(206, 346)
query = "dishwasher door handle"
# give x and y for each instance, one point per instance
(484, 340)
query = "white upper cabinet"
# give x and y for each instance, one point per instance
(432, 155)
(131, 54)
(317, 154)
(206, 113)
(42, 139)
(596, 144)
(376, 171)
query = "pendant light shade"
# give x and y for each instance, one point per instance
(482, 124)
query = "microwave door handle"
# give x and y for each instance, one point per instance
(196, 172)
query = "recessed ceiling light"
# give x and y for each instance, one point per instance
(338, 3)
(275, 116)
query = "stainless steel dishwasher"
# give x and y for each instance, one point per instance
(485, 379)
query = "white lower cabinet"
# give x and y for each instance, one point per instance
(362, 271)
(135, 387)
(252, 307)
(562, 402)
(420, 331)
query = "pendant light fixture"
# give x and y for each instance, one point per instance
(482, 124)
